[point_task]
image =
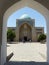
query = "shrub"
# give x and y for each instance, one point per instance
(10, 35)
(42, 37)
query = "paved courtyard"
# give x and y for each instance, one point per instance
(27, 52)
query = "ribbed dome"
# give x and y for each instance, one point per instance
(25, 16)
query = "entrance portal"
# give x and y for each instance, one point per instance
(25, 32)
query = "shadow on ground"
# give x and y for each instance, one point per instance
(26, 63)
(8, 45)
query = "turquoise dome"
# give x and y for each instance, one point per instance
(25, 16)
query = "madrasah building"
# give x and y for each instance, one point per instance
(25, 29)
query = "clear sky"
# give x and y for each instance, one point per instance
(39, 18)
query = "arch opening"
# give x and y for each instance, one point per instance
(37, 19)
(25, 32)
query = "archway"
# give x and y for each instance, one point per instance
(32, 4)
(25, 32)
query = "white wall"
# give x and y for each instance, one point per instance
(47, 19)
(4, 42)
(15, 7)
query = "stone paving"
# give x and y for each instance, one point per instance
(27, 54)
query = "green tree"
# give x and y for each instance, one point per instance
(10, 35)
(42, 37)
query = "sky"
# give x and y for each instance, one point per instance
(39, 18)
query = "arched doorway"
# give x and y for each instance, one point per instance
(25, 32)
(15, 7)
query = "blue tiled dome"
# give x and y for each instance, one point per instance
(25, 16)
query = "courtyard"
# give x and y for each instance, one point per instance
(27, 52)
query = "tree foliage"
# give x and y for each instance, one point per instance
(10, 35)
(42, 37)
